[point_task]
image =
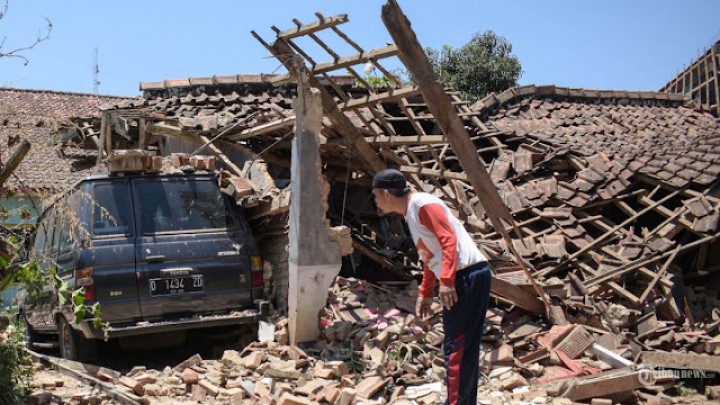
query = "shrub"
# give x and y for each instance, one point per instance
(15, 370)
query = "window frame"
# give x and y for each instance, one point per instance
(92, 206)
(138, 204)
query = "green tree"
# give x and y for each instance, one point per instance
(15, 370)
(483, 65)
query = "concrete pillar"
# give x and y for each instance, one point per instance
(314, 259)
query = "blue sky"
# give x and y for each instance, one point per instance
(608, 44)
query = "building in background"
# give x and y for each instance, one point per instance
(37, 116)
(700, 82)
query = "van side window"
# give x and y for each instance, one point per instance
(43, 235)
(181, 205)
(69, 222)
(110, 211)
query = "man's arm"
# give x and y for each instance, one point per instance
(424, 299)
(433, 217)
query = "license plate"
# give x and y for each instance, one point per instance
(176, 285)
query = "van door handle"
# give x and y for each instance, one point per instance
(155, 258)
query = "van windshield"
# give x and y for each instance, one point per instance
(181, 204)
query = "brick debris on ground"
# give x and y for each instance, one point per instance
(373, 350)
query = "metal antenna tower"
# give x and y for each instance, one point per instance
(96, 71)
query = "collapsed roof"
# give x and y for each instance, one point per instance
(616, 190)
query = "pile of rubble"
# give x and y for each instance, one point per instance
(373, 350)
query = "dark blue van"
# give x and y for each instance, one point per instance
(159, 252)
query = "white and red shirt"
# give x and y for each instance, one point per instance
(442, 242)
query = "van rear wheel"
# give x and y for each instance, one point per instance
(74, 346)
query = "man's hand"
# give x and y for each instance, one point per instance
(422, 308)
(448, 296)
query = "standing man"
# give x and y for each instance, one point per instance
(451, 256)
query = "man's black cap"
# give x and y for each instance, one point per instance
(389, 179)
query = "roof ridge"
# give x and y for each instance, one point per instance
(498, 100)
(246, 78)
(62, 92)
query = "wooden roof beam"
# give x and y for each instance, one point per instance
(354, 139)
(313, 27)
(446, 174)
(263, 129)
(400, 140)
(387, 97)
(414, 58)
(341, 63)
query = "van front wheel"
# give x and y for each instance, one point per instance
(74, 346)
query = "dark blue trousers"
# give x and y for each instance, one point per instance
(463, 325)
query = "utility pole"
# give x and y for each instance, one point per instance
(96, 72)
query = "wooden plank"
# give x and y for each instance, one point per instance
(462, 106)
(611, 284)
(606, 235)
(263, 129)
(370, 125)
(316, 26)
(615, 199)
(142, 137)
(408, 111)
(101, 143)
(385, 97)
(108, 135)
(660, 273)
(73, 369)
(18, 155)
(416, 61)
(381, 140)
(163, 129)
(644, 270)
(379, 259)
(516, 295)
(418, 163)
(685, 361)
(344, 36)
(644, 260)
(340, 63)
(406, 159)
(232, 166)
(375, 111)
(666, 212)
(686, 191)
(414, 58)
(355, 140)
(443, 174)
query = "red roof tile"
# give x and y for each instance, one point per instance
(645, 132)
(34, 115)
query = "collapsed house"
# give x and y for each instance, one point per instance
(618, 188)
(614, 194)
